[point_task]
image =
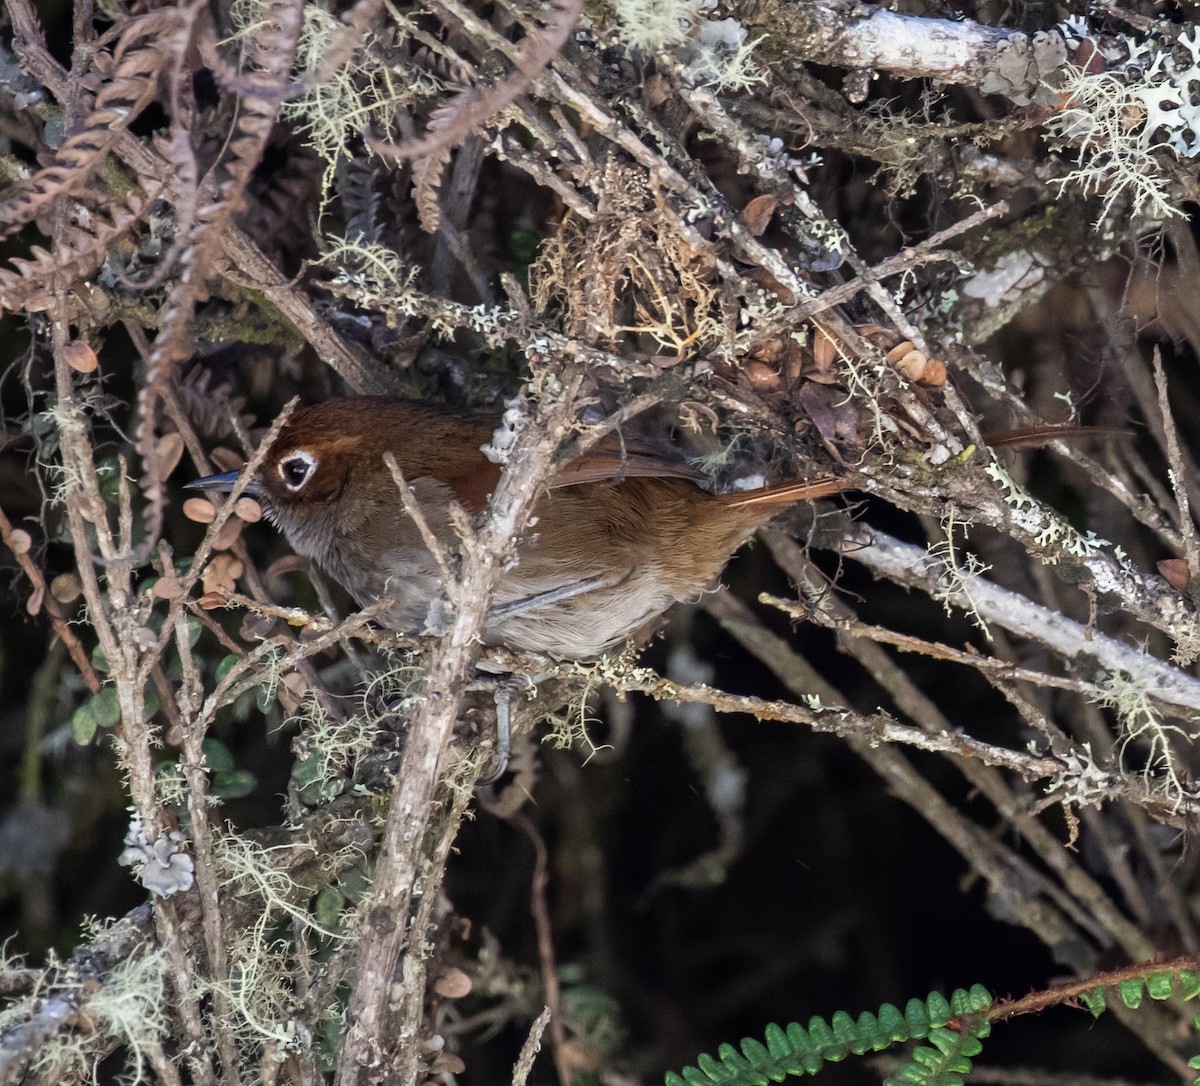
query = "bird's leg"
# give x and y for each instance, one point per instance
(505, 689)
(557, 595)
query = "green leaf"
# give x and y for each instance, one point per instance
(843, 1028)
(756, 1053)
(777, 1042)
(827, 1044)
(1131, 993)
(892, 1022)
(970, 1002)
(1159, 986)
(1095, 1001)
(265, 697)
(328, 907)
(917, 1018)
(1189, 984)
(83, 725)
(106, 708)
(226, 665)
(234, 783)
(217, 755)
(939, 1009)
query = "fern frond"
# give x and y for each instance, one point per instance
(952, 1027)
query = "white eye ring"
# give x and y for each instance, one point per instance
(296, 469)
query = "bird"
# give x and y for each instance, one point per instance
(619, 534)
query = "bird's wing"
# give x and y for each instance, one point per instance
(615, 457)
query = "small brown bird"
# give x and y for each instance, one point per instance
(621, 533)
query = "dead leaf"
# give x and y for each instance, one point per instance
(249, 510)
(66, 587)
(80, 357)
(227, 459)
(1175, 573)
(762, 377)
(230, 533)
(201, 510)
(454, 983)
(170, 452)
(758, 212)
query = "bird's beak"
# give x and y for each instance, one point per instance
(222, 483)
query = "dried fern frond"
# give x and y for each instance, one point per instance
(79, 252)
(142, 52)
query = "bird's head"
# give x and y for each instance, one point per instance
(332, 452)
(311, 463)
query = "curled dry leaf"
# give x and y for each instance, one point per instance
(221, 574)
(291, 690)
(758, 212)
(19, 541)
(915, 365)
(201, 510)
(80, 357)
(762, 378)
(1175, 573)
(824, 350)
(249, 510)
(170, 452)
(211, 601)
(66, 587)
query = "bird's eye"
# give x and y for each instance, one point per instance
(296, 469)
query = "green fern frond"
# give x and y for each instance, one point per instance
(796, 1050)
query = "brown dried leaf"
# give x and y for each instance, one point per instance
(762, 377)
(230, 533)
(34, 604)
(898, 352)
(170, 452)
(168, 588)
(201, 510)
(1175, 573)
(758, 212)
(211, 601)
(249, 510)
(912, 364)
(935, 373)
(227, 459)
(80, 357)
(824, 350)
(454, 983)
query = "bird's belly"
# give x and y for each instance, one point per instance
(584, 625)
(577, 627)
